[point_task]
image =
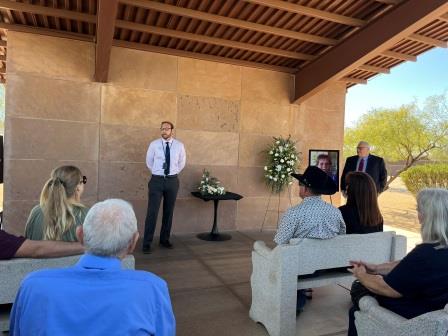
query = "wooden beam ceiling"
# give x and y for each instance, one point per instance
(400, 56)
(212, 40)
(374, 69)
(205, 57)
(389, 2)
(48, 11)
(428, 40)
(44, 31)
(107, 12)
(107, 9)
(194, 14)
(353, 80)
(379, 35)
(308, 11)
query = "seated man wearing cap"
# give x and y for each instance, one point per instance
(313, 218)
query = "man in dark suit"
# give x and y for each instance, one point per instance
(368, 163)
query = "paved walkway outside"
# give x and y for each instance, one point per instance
(399, 209)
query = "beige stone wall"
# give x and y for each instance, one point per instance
(224, 114)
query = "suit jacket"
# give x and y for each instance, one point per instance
(376, 168)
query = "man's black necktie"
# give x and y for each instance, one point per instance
(167, 159)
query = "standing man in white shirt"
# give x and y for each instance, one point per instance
(165, 159)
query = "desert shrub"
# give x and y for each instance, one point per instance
(426, 176)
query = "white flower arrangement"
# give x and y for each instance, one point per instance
(210, 185)
(282, 160)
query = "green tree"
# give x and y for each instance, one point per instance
(407, 133)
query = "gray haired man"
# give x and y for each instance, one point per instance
(96, 296)
(367, 163)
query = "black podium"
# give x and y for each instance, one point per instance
(214, 235)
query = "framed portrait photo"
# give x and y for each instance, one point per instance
(327, 160)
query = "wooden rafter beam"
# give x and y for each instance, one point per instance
(444, 17)
(400, 56)
(353, 80)
(374, 69)
(45, 31)
(428, 40)
(211, 40)
(312, 12)
(48, 11)
(205, 57)
(195, 14)
(379, 35)
(389, 2)
(107, 13)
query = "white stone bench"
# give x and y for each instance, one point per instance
(374, 320)
(275, 272)
(13, 271)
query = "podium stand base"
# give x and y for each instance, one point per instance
(214, 236)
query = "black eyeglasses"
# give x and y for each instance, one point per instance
(84, 180)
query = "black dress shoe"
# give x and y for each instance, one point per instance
(166, 244)
(146, 249)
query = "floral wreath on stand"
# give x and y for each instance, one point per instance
(210, 185)
(282, 160)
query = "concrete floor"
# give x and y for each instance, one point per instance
(209, 284)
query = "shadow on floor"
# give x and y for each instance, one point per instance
(209, 284)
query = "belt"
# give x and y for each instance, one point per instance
(165, 176)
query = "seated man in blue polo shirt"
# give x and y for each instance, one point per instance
(96, 296)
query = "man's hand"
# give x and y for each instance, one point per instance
(358, 270)
(369, 268)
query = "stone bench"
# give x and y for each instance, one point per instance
(13, 271)
(374, 320)
(275, 272)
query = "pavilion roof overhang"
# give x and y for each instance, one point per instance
(318, 42)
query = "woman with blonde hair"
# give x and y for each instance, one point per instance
(418, 283)
(60, 210)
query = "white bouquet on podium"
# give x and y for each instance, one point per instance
(210, 185)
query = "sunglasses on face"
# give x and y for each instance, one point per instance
(83, 180)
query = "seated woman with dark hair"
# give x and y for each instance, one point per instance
(417, 284)
(361, 213)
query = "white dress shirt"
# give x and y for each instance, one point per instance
(155, 157)
(313, 218)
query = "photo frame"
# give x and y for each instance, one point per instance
(327, 160)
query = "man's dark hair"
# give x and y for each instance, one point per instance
(323, 157)
(167, 122)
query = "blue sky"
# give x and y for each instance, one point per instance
(405, 83)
